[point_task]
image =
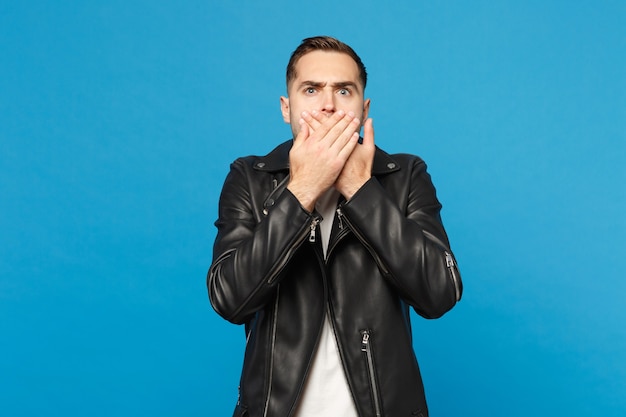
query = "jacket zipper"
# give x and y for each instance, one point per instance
(270, 376)
(340, 217)
(366, 348)
(276, 270)
(455, 278)
(371, 250)
(313, 226)
(342, 232)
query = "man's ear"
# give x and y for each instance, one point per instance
(284, 108)
(366, 109)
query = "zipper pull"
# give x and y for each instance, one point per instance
(365, 341)
(313, 227)
(340, 218)
(453, 272)
(449, 260)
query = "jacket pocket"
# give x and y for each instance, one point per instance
(368, 357)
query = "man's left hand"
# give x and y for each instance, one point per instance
(358, 168)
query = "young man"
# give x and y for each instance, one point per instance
(323, 246)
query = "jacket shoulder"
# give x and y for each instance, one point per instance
(408, 159)
(275, 160)
(386, 163)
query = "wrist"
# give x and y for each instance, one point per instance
(304, 196)
(349, 190)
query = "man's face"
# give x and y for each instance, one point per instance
(325, 81)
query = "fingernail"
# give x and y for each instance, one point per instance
(351, 113)
(305, 114)
(341, 112)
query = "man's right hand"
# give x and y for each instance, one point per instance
(317, 157)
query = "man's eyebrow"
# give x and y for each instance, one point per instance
(312, 84)
(342, 84)
(338, 84)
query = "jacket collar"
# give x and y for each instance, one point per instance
(278, 160)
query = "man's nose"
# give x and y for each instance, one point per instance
(328, 103)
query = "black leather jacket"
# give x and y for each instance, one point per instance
(388, 251)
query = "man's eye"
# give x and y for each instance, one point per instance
(344, 92)
(310, 90)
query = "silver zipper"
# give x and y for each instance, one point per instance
(369, 248)
(271, 364)
(452, 268)
(342, 231)
(340, 218)
(277, 268)
(313, 226)
(366, 347)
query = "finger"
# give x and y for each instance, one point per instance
(341, 132)
(345, 136)
(312, 119)
(349, 146)
(318, 118)
(337, 121)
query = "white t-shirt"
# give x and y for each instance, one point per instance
(326, 392)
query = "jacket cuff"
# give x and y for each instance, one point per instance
(365, 199)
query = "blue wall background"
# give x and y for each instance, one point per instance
(118, 121)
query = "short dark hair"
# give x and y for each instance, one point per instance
(323, 43)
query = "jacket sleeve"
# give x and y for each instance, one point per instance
(409, 243)
(251, 250)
